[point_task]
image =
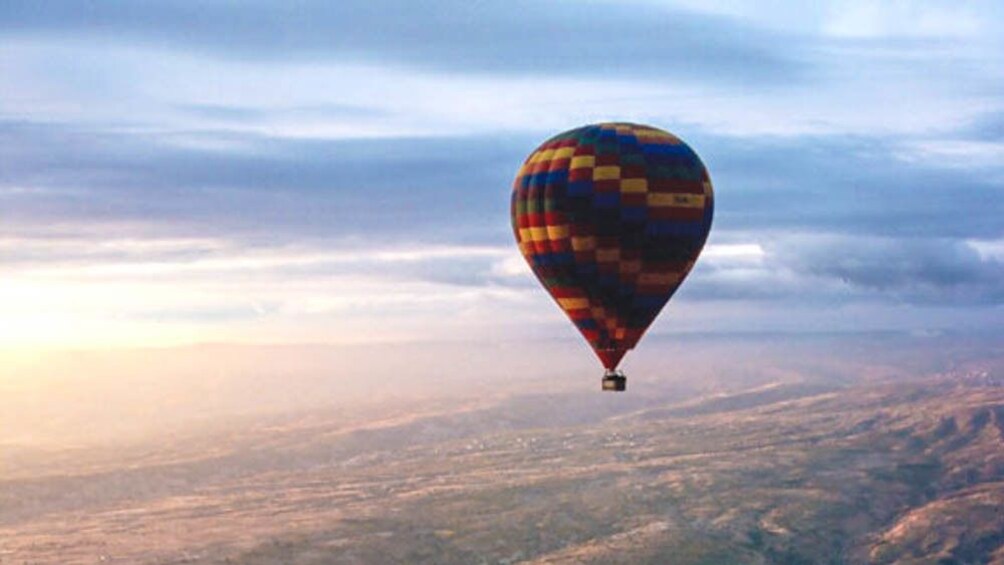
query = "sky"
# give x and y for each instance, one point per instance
(339, 172)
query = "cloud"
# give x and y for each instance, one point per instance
(988, 250)
(190, 97)
(522, 37)
(987, 127)
(434, 189)
(311, 169)
(65, 291)
(902, 19)
(369, 189)
(165, 290)
(856, 185)
(815, 268)
(914, 269)
(860, 18)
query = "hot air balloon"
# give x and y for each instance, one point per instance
(611, 218)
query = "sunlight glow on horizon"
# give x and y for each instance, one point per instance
(133, 292)
(149, 292)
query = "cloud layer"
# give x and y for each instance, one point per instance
(518, 37)
(310, 171)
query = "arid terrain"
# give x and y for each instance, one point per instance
(796, 471)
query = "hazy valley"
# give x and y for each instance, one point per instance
(787, 466)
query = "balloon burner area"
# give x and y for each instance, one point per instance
(614, 381)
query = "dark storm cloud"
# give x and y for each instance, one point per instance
(519, 36)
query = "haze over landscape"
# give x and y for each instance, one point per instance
(260, 300)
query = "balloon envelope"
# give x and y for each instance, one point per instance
(611, 218)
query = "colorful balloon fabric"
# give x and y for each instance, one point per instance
(611, 218)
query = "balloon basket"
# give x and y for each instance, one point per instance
(614, 381)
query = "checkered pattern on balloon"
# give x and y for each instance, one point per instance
(611, 218)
